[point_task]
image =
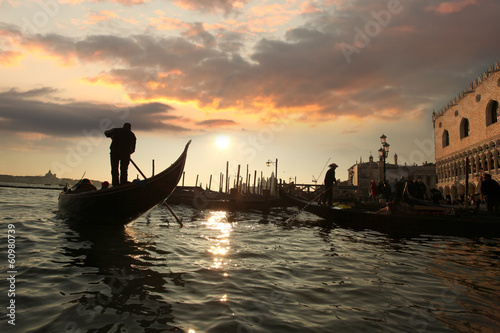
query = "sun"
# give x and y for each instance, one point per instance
(222, 141)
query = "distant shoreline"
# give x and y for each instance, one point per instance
(34, 186)
(49, 181)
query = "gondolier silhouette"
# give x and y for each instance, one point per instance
(122, 145)
(329, 180)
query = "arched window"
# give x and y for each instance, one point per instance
(446, 138)
(464, 128)
(492, 113)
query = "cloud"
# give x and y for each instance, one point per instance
(103, 15)
(406, 60)
(9, 58)
(212, 6)
(217, 123)
(23, 111)
(122, 2)
(167, 23)
(451, 6)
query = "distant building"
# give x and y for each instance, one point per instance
(361, 174)
(467, 136)
(50, 179)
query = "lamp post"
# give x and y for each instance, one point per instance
(383, 152)
(269, 163)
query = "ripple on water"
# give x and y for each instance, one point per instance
(243, 272)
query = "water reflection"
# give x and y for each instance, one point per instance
(218, 221)
(116, 281)
(469, 283)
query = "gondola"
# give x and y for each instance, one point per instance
(124, 203)
(199, 198)
(404, 219)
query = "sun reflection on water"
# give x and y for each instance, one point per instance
(217, 221)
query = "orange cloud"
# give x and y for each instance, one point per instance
(451, 6)
(123, 2)
(266, 16)
(263, 18)
(103, 15)
(168, 23)
(403, 29)
(65, 59)
(10, 58)
(104, 80)
(310, 7)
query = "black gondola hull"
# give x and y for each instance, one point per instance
(125, 203)
(466, 224)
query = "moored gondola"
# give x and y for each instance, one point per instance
(124, 203)
(406, 220)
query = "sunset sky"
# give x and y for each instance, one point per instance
(304, 82)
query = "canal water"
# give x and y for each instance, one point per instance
(236, 271)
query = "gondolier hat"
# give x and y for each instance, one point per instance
(333, 165)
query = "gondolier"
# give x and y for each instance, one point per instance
(329, 181)
(122, 145)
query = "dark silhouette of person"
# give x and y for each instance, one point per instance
(329, 180)
(421, 189)
(122, 145)
(491, 190)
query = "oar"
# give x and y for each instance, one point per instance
(138, 169)
(164, 201)
(79, 182)
(310, 202)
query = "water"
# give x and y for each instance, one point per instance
(238, 272)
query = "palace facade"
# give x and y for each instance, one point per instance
(467, 136)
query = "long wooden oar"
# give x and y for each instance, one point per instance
(164, 201)
(290, 219)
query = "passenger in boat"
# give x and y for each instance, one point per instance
(401, 188)
(421, 189)
(84, 185)
(436, 196)
(104, 185)
(394, 190)
(491, 191)
(373, 191)
(448, 199)
(122, 145)
(329, 181)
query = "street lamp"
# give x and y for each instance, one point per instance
(269, 163)
(384, 151)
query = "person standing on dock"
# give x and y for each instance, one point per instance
(329, 180)
(491, 190)
(122, 146)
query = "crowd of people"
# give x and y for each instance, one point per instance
(393, 191)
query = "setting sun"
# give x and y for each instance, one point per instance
(222, 141)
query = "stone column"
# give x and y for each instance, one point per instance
(483, 162)
(488, 163)
(477, 164)
(495, 160)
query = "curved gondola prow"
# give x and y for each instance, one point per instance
(182, 159)
(180, 162)
(410, 199)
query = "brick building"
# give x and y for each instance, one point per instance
(467, 136)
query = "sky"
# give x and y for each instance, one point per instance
(304, 83)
